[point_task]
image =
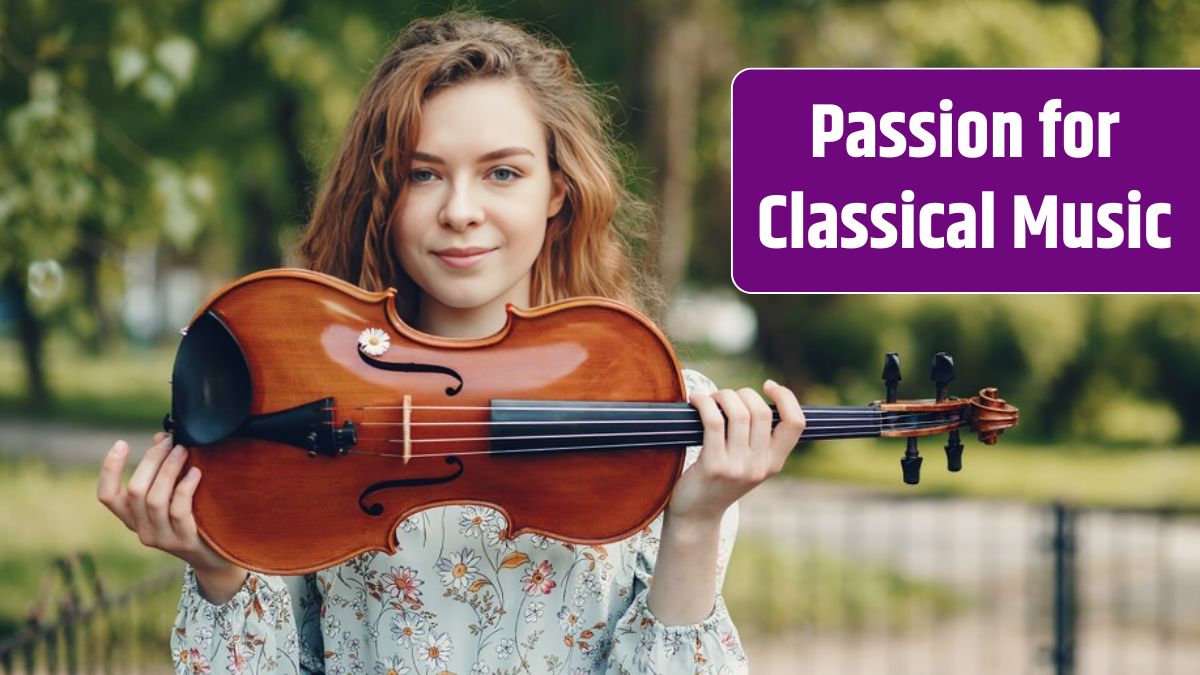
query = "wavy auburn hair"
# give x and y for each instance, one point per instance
(584, 252)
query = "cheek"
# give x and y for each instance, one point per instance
(407, 232)
(531, 234)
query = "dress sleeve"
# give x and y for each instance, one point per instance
(642, 643)
(271, 625)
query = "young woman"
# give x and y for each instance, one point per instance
(477, 171)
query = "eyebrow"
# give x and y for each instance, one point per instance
(487, 157)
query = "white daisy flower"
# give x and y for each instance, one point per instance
(459, 569)
(475, 520)
(435, 651)
(374, 341)
(407, 627)
(494, 536)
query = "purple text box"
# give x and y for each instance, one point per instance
(1154, 148)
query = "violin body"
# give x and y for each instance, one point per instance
(319, 420)
(313, 449)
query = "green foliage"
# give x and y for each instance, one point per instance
(1169, 332)
(124, 388)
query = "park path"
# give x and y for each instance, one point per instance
(1139, 574)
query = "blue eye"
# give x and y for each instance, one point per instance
(504, 174)
(421, 175)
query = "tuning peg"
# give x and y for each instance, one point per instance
(954, 450)
(891, 374)
(941, 372)
(910, 463)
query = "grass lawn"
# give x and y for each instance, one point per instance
(122, 389)
(771, 593)
(51, 512)
(1119, 477)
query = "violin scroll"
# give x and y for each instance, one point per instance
(989, 415)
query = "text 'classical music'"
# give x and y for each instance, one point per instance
(1126, 218)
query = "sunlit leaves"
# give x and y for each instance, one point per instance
(176, 55)
(48, 170)
(974, 33)
(180, 203)
(229, 21)
(160, 79)
(128, 64)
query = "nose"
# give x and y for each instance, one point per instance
(462, 207)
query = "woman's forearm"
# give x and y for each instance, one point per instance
(684, 587)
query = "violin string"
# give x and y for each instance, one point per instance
(872, 418)
(668, 410)
(809, 418)
(859, 428)
(691, 424)
(647, 445)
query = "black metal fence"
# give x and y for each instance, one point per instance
(970, 586)
(78, 626)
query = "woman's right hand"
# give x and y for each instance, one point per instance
(157, 505)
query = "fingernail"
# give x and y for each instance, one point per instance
(771, 383)
(166, 441)
(117, 448)
(177, 451)
(192, 474)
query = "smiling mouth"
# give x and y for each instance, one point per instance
(463, 257)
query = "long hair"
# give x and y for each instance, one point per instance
(585, 253)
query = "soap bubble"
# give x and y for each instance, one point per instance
(45, 280)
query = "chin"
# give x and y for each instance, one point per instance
(459, 298)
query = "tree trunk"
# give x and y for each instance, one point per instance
(676, 73)
(30, 332)
(87, 259)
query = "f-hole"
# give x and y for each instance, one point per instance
(415, 368)
(376, 509)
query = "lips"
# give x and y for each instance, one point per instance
(463, 257)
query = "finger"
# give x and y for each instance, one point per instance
(158, 499)
(791, 420)
(737, 422)
(108, 486)
(159, 436)
(714, 428)
(143, 477)
(182, 521)
(760, 425)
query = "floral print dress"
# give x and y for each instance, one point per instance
(457, 597)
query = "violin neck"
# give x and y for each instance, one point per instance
(565, 425)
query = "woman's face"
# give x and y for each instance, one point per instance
(472, 216)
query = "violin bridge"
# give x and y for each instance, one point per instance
(407, 427)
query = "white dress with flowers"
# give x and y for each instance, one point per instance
(458, 598)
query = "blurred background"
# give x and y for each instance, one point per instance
(151, 152)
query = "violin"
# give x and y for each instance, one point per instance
(320, 420)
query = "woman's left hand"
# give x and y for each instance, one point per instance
(738, 455)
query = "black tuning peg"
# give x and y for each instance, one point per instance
(891, 374)
(954, 450)
(910, 463)
(942, 373)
